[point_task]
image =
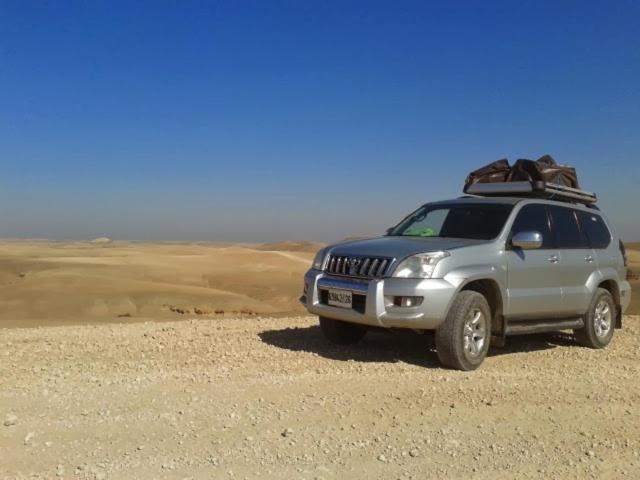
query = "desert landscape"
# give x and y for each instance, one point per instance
(194, 361)
(51, 283)
(633, 257)
(149, 152)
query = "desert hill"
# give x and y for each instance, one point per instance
(80, 282)
(44, 283)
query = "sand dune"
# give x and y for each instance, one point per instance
(55, 282)
(308, 247)
(44, 283)
(633, 255)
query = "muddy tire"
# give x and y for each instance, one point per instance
(462, 341)
(599, 322)
(341, 333)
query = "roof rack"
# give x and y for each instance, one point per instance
(536, 189)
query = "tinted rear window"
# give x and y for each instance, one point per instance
(533, 218)
(566, 229)
(595, 229)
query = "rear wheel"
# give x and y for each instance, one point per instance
(462, 341)
(599, 321)
(341, 333)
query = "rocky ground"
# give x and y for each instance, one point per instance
(268, 398)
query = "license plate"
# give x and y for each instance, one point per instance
(340, 298)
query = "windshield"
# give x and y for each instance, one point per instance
(477, 221)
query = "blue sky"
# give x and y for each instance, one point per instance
(262, 121)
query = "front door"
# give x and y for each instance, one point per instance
(533, 284)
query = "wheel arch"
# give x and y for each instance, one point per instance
(490, 289)
(612, 287)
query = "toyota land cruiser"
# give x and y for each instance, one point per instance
(474, 270)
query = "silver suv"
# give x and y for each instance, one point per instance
(476, 270)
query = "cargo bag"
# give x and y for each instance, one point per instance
(545, 169)
(495, 172)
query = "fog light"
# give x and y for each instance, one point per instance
(407, 301)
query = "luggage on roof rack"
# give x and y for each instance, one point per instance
(494, 172)
(544, 169)
(536, 189)
(542, 178)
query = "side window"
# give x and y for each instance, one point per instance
(595, 228)
(534, 218)
(566, 229)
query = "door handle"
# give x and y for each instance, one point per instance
(554, 259)
(588, 259)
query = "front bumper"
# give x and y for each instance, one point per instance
(378, 309)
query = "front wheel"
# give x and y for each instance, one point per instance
(599, 321)
(462, 341)
(341, 333)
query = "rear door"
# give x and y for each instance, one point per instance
(599, 237)
(576, 260)
(533, 284)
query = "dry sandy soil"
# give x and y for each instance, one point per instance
(262, 395)
(268, 398)
(46, 283)
(633, 255)
(60, 283)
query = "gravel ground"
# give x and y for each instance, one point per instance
(268, 398)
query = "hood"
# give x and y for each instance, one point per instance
(400, 247)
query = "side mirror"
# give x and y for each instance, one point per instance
(527, 240)
(388, 231)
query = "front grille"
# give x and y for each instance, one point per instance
(354, 266)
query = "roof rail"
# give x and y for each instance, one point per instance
(549, 191)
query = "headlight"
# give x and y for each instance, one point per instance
(421, 265)
(318, 261)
